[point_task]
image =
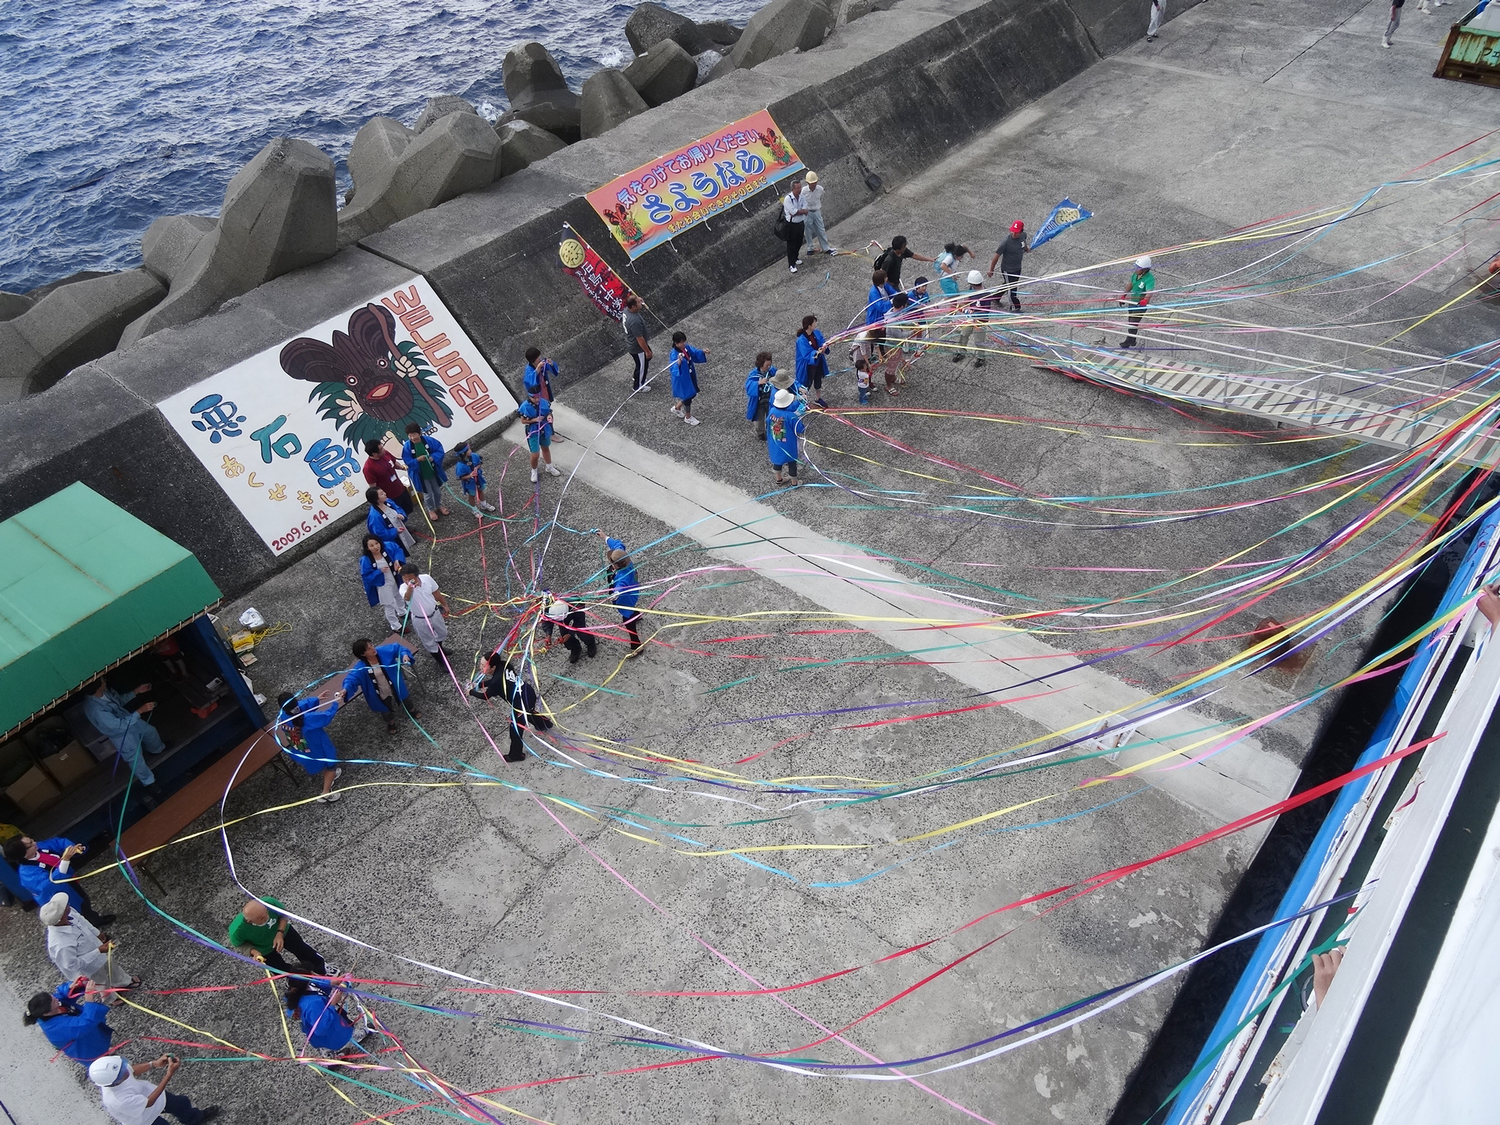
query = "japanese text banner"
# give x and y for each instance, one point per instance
(283, 432)
(650, 205)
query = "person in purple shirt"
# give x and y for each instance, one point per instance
(71, 1024)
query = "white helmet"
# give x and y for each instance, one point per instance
(106, 1071)
(976, 278)
(1143, 262)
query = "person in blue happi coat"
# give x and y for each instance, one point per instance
(878, 300)
(423, 455)
(379, 674)
(812, 358)
(302, 731)
(470, 475)
(625, 585)
(323, 1017)
(380, 572)
(539, 373)
(386, 520)
(45, 867)
(758, 391)
(72, 1025)
(684, 375)
(784, 428)
(125, 726)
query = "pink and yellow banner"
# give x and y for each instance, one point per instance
(657, 201)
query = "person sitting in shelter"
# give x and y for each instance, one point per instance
(125, 726)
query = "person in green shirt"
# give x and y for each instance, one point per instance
(1138, 295)
(261, 931)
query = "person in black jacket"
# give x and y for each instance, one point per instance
(502, 681)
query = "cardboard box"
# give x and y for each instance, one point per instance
(69, 765)
(34, 792)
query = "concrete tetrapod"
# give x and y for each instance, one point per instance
(170, 241)
(13, 305)
(523, 144)
(439, 107)
(457, 154)
(722, 32)
(537, 92)
(373, 156)
(782, 26)
(651, 24)
(663, 73)
(279, 214)
(608, 99)
(71, 326)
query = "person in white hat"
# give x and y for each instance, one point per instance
(1137, 296)
(812, 200)
(784, 426)
(133, 1100)
(78, 949)
(973, 315)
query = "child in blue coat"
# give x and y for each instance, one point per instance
(536, 412)
(784, 426)
(302, 731)
(424, 465)
(470, 475)
(685, 375)
(758, 392)
(625, 585)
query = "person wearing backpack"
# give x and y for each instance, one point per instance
(793, 210)
(892, 257)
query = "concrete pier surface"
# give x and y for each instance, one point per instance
(549, 911)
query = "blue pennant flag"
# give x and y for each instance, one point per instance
(1064, 215)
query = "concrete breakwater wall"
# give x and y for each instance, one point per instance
(881, 99)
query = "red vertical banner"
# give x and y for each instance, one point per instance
(594, 274)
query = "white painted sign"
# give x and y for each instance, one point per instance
(284, 431)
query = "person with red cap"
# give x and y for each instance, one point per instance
(1008, 256)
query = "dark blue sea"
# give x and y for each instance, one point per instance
(118, 111)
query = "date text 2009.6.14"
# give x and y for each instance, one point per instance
(306, 527)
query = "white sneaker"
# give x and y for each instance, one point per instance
(677, 410)
(552, 470)
(487, 506)
(645, 386)
(533, 476)
(330, 797)
(794, 269)
(691, 421)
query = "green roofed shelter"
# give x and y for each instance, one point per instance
(83, 585)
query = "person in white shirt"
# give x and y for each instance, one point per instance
(812, 199)
(78, 949)
(133, 1100)
(422, 597)
(793, 211)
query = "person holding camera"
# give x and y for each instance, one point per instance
(132, 1099)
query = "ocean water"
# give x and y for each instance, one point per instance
(119, 111)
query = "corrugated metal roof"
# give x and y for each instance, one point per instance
(83, 583)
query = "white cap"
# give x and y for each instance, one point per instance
(558, 609)
(976, 278)
(107, 1071)
(1143, 262)
(52, 913)
(782, 399)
